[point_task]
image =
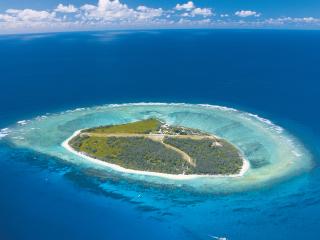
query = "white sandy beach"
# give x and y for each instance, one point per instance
(65, 144)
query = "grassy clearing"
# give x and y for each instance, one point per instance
(140, 127)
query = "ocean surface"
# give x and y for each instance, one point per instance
(45, 77)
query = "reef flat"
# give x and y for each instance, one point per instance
(272, 153)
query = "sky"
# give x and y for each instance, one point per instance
(18, 16)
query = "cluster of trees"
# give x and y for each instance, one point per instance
(209, 159)
(76, 142)
(145, 154)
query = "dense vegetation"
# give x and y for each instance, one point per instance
(142, 152)
(209, 158)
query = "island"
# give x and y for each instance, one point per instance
(153, 146)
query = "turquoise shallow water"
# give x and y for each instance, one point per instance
(273, 153)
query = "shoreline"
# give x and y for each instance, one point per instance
(115, 167)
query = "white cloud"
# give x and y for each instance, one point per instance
(186, 6)
(106, 10)
(6, 18)
(147, 13)
(26, 15)
(247, 13)
(205, 12)
(190, 10)
(111, 11)
(305, 20)
(66, 8)
(28, 20)
(290, 20)
(88, 7)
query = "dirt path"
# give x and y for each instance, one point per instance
(186, 157)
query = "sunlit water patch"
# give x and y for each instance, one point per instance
(273, 153)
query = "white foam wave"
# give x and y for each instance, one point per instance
(18, 138)
(23, 122)
(218, 107)
(79, 109)
(4, 132)
(222, 108)
(266, 121)
(39, 118)
(172, 104)
(296, 153)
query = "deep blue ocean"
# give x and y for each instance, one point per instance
(273, 73)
